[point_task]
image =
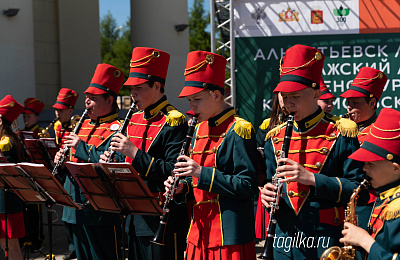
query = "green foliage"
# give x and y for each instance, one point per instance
(198, 21)
(116, 47)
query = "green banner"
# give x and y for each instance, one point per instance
(257, 65)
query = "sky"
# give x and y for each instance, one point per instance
(120, 9)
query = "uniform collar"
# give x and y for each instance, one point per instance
(33, 128)
(104, 119)
(390, 190)
(152, 110)
(221, 117)
(364, 124)
(66, 124)
(308, 122)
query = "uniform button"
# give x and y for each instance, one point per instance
(223, 135)
(102, 137)
(360, 142)
(275, 139)
(130, 123)
(324, 150)
(191, 151)
(318, 164)
(374, 230)
(398, 194)
(277, 152)
(197, 137)
(290, 193)
(333, 135)
(150, 138)
(214, 149)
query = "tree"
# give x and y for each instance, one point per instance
(116, 47)
(198, 22)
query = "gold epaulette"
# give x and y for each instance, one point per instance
(5, 144)
(243, 128)
(393, 209)
(346, 126)
(175, 118)
(265, 124)
(274, 131)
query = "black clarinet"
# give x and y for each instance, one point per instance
(122, 129)
(269, 242)
(159, 235)
(66, 149)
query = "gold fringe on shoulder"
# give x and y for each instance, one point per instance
(274, 131)
(175, 118)
(243, 128)
(393, 210)
(265, 124)
(347, 127)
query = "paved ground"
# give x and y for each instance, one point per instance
(60, 245)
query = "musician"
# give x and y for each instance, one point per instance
(319, 178)
(96, 235)
(33, 212)
(64, 109)
(277, 117)
(155, 136)
(220, 171)
(13, 151)
(362, 99)
(32, 109)
(381, 153)
(326, 99)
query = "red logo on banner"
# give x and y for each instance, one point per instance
(288, 16)
(316, 17)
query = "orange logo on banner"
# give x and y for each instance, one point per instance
(289, 15)
(316, 17)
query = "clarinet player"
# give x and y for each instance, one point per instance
(96, 235)
(318, 177)
(220, 171)
(154, 139)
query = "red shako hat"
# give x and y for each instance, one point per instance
(301, 68)
(325, 92)
(148, 64)
(66, 99)
(369, 82)
(106, 79)
(383, 141)
(204, 70)
(10, 109)
(33, 106)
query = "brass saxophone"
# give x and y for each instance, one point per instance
(348, 252)
(45, 132)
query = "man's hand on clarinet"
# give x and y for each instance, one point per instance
(58, 155)
(187, 167)
(72, 140)
(104, 157)
(168, 185)
(120, 143)
(268, 193)
(293, 171)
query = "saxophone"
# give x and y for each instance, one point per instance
(348, 252)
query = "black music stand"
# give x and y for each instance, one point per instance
(38, 151)
(34, 183)
(115, 187)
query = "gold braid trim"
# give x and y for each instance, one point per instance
(322, 150)
(265, 124)
(317, 57)
(347, 127)
(296, 138)
(310, 166)
(155, 54)
(131, 123)
(11, 104)
(207, 136)
(175, 118)
(208, 60)
(243, 128)
(379, 76)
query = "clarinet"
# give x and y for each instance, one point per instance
(122, 129)
(269, 242)
(66, 149)
(159, 235)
